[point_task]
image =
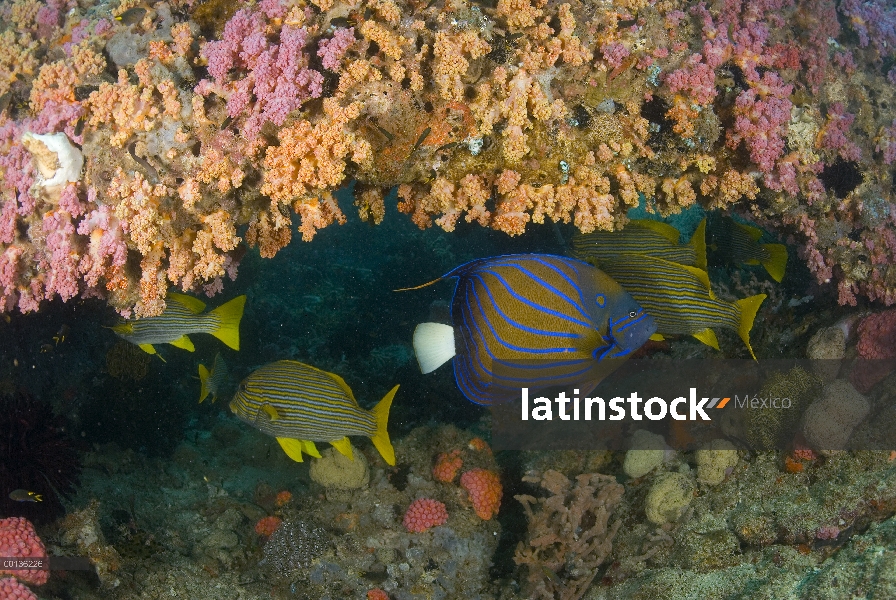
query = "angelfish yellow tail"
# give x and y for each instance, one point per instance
(381, 438)
(229, 315)
(748, 307)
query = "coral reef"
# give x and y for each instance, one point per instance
(293, 546)
(336, 471)
(424, 513)
(19, 540)
(200, 119)
(569, 534)
(81, 531)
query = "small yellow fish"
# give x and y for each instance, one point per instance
(25, 496)
(61, 334)
(299, 404)
(182, 316)
(212, 381)
(132, 15)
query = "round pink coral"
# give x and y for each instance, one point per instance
(877, 346)
(877, 336)
(485, 491)
(10, 589)
(424, 513)
(19, 540)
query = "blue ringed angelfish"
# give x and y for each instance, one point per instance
(532, 320)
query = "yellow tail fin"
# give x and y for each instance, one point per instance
(748, 307)
(229, 315)
(777, 262)
(698, 242)
(381, 438)
(203, 383)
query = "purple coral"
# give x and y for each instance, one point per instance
(278, 75)
(332, 50)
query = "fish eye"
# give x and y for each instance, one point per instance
(633, 314)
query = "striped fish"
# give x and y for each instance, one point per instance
(738, 243)
(299, 404)
(182, 316)
(211, 382)
(652, 238)
(532, 320)
(680, 299)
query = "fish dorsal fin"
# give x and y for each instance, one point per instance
(754, 232)
(341, 383)
(194, 305)
(293, 448)
(708, 337)
(698, 273)
(433, 345)
(309, 448)
(270, 411)
(183, 342)
(664, 229)
(698, 243)
(701, 275)
(344, 447)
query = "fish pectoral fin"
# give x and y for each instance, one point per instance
(433, 345)
(344, 447)
(657, 337)
(293, 448)
(708, 337)
(270, 411)
(309, 448)
(147, 348)
(123, 328)
(184, 343)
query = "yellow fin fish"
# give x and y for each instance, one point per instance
(643, 236)
(678, 298)
(299, 405)
(183, 316)
(212, 381)
(739, 243)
